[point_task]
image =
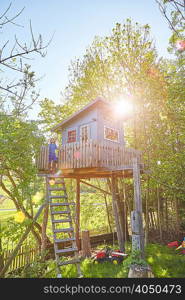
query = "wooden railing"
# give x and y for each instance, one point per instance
(89, 155)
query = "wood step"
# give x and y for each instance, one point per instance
(62, 221)
(63, 230)
(67, 250)
(73, 261)
(64, 240)
(57, 197)
(60, 212)
(62, 203)
(57, 189)
(59, 182)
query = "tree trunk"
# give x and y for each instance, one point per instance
(166, 213)
(177, 214)
(37, 237)
(159, 214)
(107, 209)
(138, 232)
(146, 210)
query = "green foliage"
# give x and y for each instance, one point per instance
(37, 269)
(112, 67)
(93, 212)
(134, 259)
(52, 114)
(20, 142)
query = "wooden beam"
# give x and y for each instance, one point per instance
(86, 246)
(77, 225)
(92, 185)
(116, 214)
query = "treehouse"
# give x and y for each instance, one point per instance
(92, 144)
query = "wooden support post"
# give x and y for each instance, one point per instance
(86, 246)
(116, 214)
(77, 225)
(136, 215)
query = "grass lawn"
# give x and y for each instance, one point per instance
(5, 215)
(7, 204)
(165, 263)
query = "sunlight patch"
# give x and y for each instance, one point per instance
(164, 272)
(19, 217)
(37, 197)
(150, 260)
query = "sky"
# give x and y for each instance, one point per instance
(74, 24)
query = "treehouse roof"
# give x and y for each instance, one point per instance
(97, 102)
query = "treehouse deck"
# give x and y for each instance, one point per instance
(91, 159)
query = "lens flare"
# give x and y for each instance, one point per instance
(123, 108)
(180, 45)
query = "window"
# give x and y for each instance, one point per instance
(111, 134)
(84, 133)
(71, 136)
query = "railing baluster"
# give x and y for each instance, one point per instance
(89, 154)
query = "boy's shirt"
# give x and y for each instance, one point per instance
(52, 148)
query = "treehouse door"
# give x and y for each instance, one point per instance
(84, 133)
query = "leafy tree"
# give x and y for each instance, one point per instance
(20, 139)
(174, 12)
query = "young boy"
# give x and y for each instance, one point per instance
(52, 155)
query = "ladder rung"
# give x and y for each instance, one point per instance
(63, 230)
(66, 250)
(59, 212)
(59, 182)
(57, 189)
(64, 240)
(62, 221)
(57, 197)
(62, 203)
(73, 261)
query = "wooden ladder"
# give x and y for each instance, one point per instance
(63, 231)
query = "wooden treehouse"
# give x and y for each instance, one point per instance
(92, 146)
